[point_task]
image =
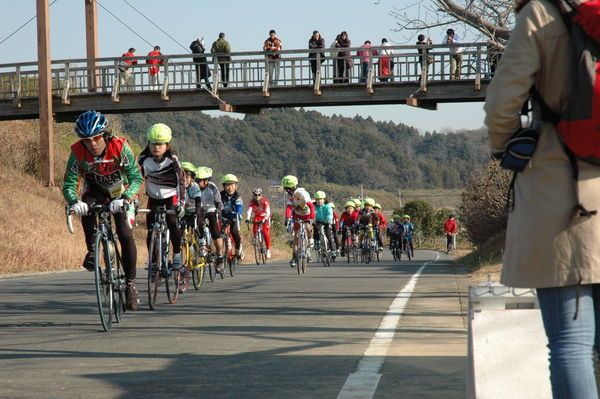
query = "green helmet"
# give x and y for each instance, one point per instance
(229, 178)
(377, 206)
(395, 217)
(188, 167)
(369, 201)
(406, 217)
(203, 172)
(356, 202)
(159, 133)
(320, 195)
(349, 203)
(289, 181)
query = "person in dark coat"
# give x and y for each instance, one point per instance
(202, 71)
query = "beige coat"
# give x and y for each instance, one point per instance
(545, 247)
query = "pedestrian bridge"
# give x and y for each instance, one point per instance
(82, 84)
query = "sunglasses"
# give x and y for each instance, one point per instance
(94, 139)
(257, 195)
(158, 144)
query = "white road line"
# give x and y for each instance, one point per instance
(362, 384)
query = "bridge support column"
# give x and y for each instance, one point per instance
(45, 94)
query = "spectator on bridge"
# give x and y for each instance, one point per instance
(494, 54)
(223, 47)
(364, 59)
(425, 46)
(154, 68)
(334, 55)
(272, 45)
(344, 61)
(549, 245)
(385, 61)
(202, 71)
(126, 79)
(456, 56)
(315, 42)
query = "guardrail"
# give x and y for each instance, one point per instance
(249, 70)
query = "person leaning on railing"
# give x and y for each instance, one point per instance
(272, 46)
(223, 47)
(126, 79)
(315, 42)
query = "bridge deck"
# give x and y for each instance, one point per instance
(83, 84)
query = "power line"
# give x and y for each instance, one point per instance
(158, 27)
(124, 24)
(22, 26)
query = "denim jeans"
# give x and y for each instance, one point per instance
(571, 342)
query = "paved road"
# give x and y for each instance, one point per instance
(265, 333)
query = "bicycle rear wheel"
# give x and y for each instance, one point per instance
(172, 280)
(231, 263)
(102, 278)
(198, 271)
(154, 266)
(119, 285)
(262, 247)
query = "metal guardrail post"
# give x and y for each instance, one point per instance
(265, 90)
(66, 85)
(164, 94)
(370, 73)
(478, 72)
(317, 87)
(116, 86)
(18, 91)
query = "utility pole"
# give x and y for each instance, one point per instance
(45, 94)
(91, 39)
(400, 198)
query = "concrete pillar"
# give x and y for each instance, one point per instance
(91, 36)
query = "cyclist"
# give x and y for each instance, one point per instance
(395, 230)
(367, 217)
(450, 228)
(211, 211)
(357, 205)
(109, 172)
(336, 226)
(165, 183)
(193, 200)
(232, 210)
(262, 213)
(348, 218)
(298, 207)
(382, 226)
(324, 216)
(408, 232)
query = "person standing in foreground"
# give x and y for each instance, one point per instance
(110, 174)
(450, 228)
(548, 247)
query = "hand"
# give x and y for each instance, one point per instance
(247, 221)
(118, 205)
(80, 208)
(180, 209)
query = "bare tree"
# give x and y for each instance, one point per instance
(493, 19)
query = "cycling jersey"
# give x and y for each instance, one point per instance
(395, 228)
(261, 209)
(192, 192)
(164, 179)
(408, 230)
(300, 206)
(211, 198)
(232, 205)
(114, 172)
(365, 218)
(382, 221)
(348, 219)
(324, 213)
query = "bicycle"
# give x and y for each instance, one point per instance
(229, 249)
(301, 252)
(406, 247)
(349, 244)
(396, 249)
(158, 266)
(260, 249)
(323, 249)
(109, 276)
(190, 253)
(368, 245)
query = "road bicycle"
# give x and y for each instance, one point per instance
(260, 248)
(191, 254)
(159, 267)
(109, 276)
(350, 244)
(368, 245)
(396, 248)
(322, 245)
(229, 247)
(301, 253)
(406, 247)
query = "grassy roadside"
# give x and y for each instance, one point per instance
(485, 261)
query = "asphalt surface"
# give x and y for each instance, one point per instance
(265, 333)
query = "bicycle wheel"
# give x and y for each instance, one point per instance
(154, 266)
(198, 273)
(102, 278)
(324, 249)
(119, 285)
(257, 249)
(231, 263)
(172, 280)
(211, 268)
(262, 247)
(378, 252)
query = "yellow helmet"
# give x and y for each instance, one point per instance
(289, 181)
(369, 201)
(159, 133)
(229, 178)
(203, 172)
(320, 195)
(188, 167)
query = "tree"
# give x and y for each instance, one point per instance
(493, 19)
(422, 216)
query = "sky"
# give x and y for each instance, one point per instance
(246, 24)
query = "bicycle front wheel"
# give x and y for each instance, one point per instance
(102, 278)
(119, 285)
(262, 247)
(172, 280)
(231, 264)
(154, 266)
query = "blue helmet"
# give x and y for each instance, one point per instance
(90, 124)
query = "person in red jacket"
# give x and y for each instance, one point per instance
(126, 79)
(154, 67)
(382, 225)
(450, 228)
(348, 219)
(259, 206)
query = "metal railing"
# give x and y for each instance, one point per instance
(250, 70)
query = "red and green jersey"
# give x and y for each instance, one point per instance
(115, 172)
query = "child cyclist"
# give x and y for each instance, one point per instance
(193, 201)
(232, 210)
(165, 183)
(259, 206)
(348, 219)
(382, 226)
(409, 229)
(367, 217)
(395, 230)
(107, 167)
(324, 216)
(299, 207)
(211, 211)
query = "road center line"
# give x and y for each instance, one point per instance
(363, 382)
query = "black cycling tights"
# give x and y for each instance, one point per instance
(128, 248)
(174, 231)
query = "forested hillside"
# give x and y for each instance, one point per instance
(317, 148)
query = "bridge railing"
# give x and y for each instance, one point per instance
(250, 70)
